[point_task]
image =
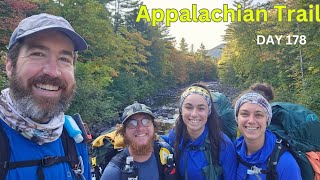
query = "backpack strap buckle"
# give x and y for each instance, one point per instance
(279, 141)
(49, 161)
(254, 170)
(5, 164)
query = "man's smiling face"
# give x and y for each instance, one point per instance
(42, 83)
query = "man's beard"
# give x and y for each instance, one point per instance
(140, 150)
(40, 108)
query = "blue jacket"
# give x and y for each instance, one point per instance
(22, 149)
(287, 166)
(196, 159)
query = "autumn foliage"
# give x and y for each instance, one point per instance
(11, 13)
(125, 61)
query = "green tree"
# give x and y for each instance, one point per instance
(201, 52)
(92, 100)
(290, 69)
(121, 9)
(192, 49)
(183, 45)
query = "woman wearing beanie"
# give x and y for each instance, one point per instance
(256, 144)
(202, 151)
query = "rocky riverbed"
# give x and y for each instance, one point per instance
(165, 106)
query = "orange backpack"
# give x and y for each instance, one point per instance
(314, 159)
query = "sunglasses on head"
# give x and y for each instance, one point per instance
(133, 123)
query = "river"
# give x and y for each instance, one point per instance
(165, 106)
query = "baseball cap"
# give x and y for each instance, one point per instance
(44, 21)
(135, 108)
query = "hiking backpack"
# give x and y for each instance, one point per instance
(166, 172)
(104, 148)
(226, 113)
(297, 130)
(69, 148)
(109, 147)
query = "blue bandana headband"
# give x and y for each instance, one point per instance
(197, 90)
(254, 98)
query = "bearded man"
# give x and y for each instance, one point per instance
(40, 67)
(139, 131)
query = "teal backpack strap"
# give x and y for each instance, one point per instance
(206, 170)
(212, 171)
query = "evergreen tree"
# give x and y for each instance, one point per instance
(192, 49)
(121, 9)
(183, 45)
(201, 52)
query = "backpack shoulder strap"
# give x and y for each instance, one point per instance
(241, 161)
(166, 168)
(252, 168)
(5, 164)
(4, 153)
(120, 159)
(214, 170)
(156, 150)
(277, 152)
(271, 171)
(207, 149)
(70, 151)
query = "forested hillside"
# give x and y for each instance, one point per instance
(129, 61)
(293, 70)
(126, 61)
